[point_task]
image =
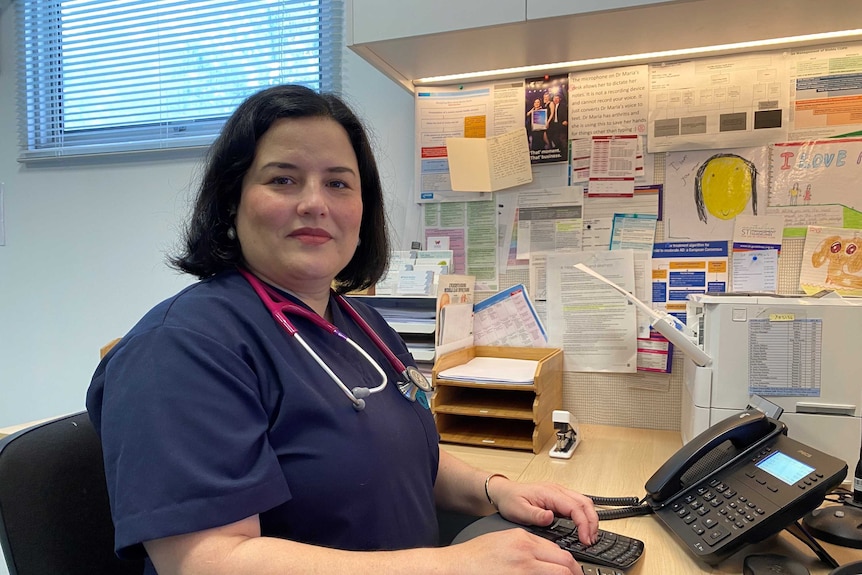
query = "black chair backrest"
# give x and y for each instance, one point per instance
(54, 512)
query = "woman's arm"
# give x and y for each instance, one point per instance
(461, 487)
(239, 549)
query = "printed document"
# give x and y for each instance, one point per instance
(508, 319)
(593, 323)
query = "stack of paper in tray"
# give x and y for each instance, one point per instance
(493, 369)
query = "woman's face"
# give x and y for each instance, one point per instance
(300, 207)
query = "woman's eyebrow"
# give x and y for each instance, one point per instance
(289, 166)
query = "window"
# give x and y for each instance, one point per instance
(108, 76)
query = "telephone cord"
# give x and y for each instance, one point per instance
(623, 512)
(614, 501)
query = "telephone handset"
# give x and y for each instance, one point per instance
(739, 482)
(690, 464)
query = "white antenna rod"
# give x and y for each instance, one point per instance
(670, 327)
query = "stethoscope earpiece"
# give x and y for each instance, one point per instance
(359, 395)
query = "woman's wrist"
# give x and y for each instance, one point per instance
(488, 496)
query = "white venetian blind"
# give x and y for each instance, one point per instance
(109, 76)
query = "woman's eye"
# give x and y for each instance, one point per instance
(338, 184)
(282, 180)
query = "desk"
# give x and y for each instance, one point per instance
(616, 462)
(4, 431)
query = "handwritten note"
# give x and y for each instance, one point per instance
(489, 164)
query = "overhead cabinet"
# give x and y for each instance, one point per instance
(412, 40)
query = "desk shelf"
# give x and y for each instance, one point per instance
(501, 433)
(418, 333)
(511, 416)
(481, 402)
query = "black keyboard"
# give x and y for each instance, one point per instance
(611, 550)
(589, 569)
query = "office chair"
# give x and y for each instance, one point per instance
(54, 511)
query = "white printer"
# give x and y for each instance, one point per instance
(802, 353)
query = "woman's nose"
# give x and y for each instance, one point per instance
(313, 198)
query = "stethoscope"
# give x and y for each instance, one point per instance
(413, 385)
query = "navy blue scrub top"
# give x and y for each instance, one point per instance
(209, 412)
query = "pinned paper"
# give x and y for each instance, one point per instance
(489, 164)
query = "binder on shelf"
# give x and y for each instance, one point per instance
(413, 317)
(499, 414)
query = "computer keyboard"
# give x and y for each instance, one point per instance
(590, 569)
(611, 550)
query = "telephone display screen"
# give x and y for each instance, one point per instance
(785, 468)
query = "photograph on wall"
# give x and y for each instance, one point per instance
(547, 118)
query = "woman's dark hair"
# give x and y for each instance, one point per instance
(207, 249)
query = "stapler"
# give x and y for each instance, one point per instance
(567, 434)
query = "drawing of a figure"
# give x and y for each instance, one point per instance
(794, 194)
(806, 197)
(843, 261)
(723, 186)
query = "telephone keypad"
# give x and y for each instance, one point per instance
(733, 512)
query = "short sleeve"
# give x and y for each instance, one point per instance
(184, 434)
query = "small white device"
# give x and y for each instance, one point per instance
(568, 436)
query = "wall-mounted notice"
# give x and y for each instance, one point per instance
(470, 111)
(825, 85)
(721, 102)
(612, 101)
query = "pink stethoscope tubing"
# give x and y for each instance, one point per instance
(279, 308)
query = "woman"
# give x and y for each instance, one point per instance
(228, 447)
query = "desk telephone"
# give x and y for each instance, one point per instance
(739, 482)
(736, 483)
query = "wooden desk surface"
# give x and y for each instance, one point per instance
(508, 462)
(4, 431)
(616, 462)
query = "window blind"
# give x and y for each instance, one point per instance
(121, 76)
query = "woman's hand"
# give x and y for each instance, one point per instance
(509, 552)
(538, 503)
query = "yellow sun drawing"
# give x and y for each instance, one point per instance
(724, 185)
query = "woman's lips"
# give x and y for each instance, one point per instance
(311, 236)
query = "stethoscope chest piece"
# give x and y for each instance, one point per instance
(416, 378)
(415, 386)
(412, 392)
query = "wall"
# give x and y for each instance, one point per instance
(85, 243)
